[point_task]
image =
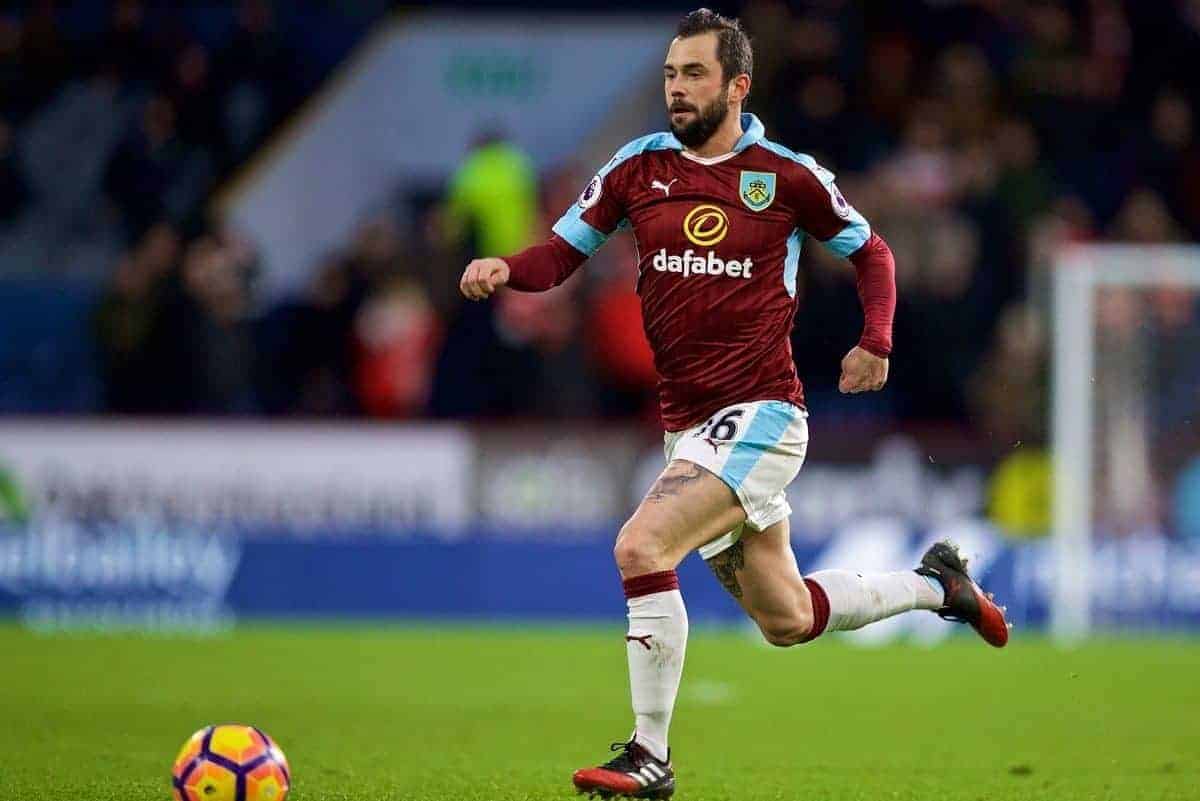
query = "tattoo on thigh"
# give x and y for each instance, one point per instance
(724, 566)
(672, 483)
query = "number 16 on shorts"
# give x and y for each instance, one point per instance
(756, 448)
(721, 427)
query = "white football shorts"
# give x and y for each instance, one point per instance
(757, 449)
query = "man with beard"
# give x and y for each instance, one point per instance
(719, 214)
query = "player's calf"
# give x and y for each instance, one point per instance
(759, 571)
(786, 632)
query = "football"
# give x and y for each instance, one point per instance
(230, 762)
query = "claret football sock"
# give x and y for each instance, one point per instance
(655, 645)
(856, 599)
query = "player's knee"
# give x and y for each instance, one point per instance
(786, 632)
(639, 551)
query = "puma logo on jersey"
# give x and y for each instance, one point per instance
(666, 188)
(644, 639)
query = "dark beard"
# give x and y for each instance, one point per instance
(707, 121)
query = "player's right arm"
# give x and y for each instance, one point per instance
(483, 276)
(534, 269)
(578, 234)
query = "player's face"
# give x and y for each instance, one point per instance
(697, 93)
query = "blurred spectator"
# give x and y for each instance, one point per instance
(14, 190)
(126, 322)
(153, 172)
(45, 55)
(922, 171)
(1009, 390)
(1174, 320)
(1170, 158)
(128, 45)
(1052, 61)
(204, 329)
(1024, 186)
(375, 251)
(257, 78)
(966, 88)
(932, 368)
(889, 83)
(13, 86)
(818, 117)
(491, 205)
(1069, 221)
(196, 100)
(769, 24)
(1010, 189)
(307, 344)
(1020, 492)
(397, 333)
(1145, 219)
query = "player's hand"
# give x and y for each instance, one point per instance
(862, 372)
(482, 277)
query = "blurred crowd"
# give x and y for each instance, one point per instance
(977, 136)
(118, 116)
(118, 122)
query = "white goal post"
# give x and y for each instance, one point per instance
(1080, 273)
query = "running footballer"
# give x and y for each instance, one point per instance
(720, 214)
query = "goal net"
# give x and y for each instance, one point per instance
(1126, 435)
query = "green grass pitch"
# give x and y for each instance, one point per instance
(494, 714)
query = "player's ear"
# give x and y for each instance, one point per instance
(739, 89)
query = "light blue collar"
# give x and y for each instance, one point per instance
(752, 132)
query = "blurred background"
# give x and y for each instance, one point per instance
(237, 377)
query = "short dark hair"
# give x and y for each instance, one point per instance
(733, 45)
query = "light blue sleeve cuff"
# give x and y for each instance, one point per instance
(580, 235)
(851, 238)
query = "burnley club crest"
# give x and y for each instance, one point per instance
(757, 189)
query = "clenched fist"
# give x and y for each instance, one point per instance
(482, 276)
(862, 371)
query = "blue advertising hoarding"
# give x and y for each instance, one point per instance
(152, 578)
(167, 528)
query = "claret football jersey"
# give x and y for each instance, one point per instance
(718, 243)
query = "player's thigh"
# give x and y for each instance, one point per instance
(687, 507)
(760, 572)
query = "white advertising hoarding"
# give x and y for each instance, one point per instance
(302, 479)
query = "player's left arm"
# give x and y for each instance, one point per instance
(824, 213)
(865, 367)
